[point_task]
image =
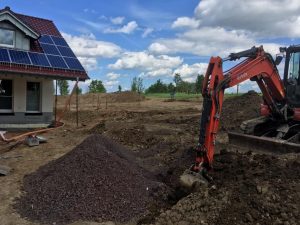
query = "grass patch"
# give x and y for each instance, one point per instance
(178, 96)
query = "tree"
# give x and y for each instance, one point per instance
(97, 86)
(119, 88)
(134, 84)
(171, 88)
(199, 83)
(63, 87)
(140, 85)
(158, 87)
(177, 79)
(79, 90)
(137, 85)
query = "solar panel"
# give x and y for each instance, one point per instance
(4, 57)
(50, 49)
(38, 59)
(59, 41)
(66, 51)
(19, 57)
(57, 61)
(46, 39)
(74, 63)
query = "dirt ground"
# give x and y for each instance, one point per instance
(247, 188)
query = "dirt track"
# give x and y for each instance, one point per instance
(248, 189)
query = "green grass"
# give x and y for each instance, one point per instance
(178, 96)
(185, 96)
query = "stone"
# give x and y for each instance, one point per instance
(249, 217)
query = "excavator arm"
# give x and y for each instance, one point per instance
(258, 66)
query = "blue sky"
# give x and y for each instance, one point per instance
(117, 40)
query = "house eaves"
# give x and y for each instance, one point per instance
(8, 16)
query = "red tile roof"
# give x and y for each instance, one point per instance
(42, 27)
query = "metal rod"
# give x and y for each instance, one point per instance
(55, 107)
(77, 116)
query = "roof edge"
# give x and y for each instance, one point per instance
(34, 34)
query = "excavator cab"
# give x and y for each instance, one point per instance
(292, 76)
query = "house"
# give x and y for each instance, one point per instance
(33, 54)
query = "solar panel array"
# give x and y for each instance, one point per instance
(57, 54)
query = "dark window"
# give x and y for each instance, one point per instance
(33, 98)
(6, 95)
(7, 37)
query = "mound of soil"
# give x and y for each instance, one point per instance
(238, 109)
(126, 96)
(247, 189)
(97, 180)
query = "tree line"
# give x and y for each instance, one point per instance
(178, 85)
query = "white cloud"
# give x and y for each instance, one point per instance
(158, 48)
(145, 61)
(190, 72)
(88, 63)
(204, 41)
(159, 72)
(126, 29)
(263, 18)
(110, 84)
(117, 20)
(88, 45)
(185, 22)
(147, 31)
(113, 76)
(87, 48)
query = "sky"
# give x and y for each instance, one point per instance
(117, 40)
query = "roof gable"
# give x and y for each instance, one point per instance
(49, 54)
(8, 16)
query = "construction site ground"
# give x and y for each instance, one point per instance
(161, 134)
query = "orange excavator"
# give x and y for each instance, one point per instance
(278, 127)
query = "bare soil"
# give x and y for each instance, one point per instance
(248, 188)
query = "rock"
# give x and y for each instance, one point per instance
(284, 216)
(249, 217)
(262, 188)
(183, 222)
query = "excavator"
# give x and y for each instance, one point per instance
(278, 127)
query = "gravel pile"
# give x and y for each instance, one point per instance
(97, 180)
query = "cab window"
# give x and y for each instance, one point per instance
(294, 65)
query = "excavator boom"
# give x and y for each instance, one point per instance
(260, 67)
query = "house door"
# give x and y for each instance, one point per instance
(33, 98)
(6, 96)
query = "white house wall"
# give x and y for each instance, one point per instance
(19, 114)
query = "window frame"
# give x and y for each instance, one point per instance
(14, 38)
(40, 98)
(4, 111)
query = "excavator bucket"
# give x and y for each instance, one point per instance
(253, 143)
(191, 180)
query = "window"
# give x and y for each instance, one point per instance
(7, 37)
(33, 98)
(294, 65)
(6, 96)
